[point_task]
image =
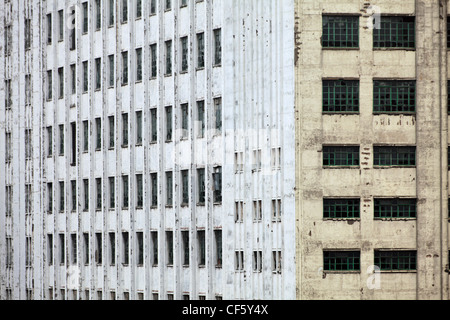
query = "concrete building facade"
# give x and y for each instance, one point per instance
(372, 143)
(147, 154)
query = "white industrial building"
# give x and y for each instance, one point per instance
(147, 149)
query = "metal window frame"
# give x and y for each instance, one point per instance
(397, 32)
(396, 260)
(335, 27)
(394, 91)
(385, 208)
(340, 96)
(341, 260)
(336, 208)
(341, 156)
(392, 156)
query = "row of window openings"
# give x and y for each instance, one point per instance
(153, 71)
(75, 295)
(126, 249)
(125, 204)
(200, 127)
(385, 260)
(124, 5)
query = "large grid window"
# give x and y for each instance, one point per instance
(395, 208)
(394, 156)
(394, 96)
(340, 96)
(395, 32)
(340, 31)
(396, 260)
(334, 156)
(341, 260)
(341, 208)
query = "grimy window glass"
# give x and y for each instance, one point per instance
(396, 260)
(341, 156)
(395, 32)
(340, 96)
(340, 31)
(395, 208)
(394, 96)
(394, 156)
(341, 208)
(341, 260)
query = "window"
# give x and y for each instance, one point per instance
(49, 29)
(169, 243)
(218, 247)
(239, 212)
(73, 144)
(73, 188)
(98, 187)
(154, 239)
(388, 260)
(74, 253)
(111, 13)
(98, 15)
(72, 35)
(49, 198)
(111, 70)
(124, 68)
(341, 260)
(124, 130)
(217, 180)
(201, 248)
(61, 196)
(138, 9)
(62, 247)
(85, 17)
(184, 54)
(336, 156)
(185, 187)
(152, 7)
(139, 64)
(394, 96)
(28, 203)
(86, 248)
(341, 208)
(340, 32)
(140, 248)
(154, 182)
(27, 34)
(340, 96)
(61, 25)
(85, 136)
(27, 89)
(98, 74)
(8, 146)
(200, 119)
(8, 91)
(8, 40)
(9, 252)
(49, 87)
(395, 208)
(257, 210)
(124, 11)
(86, 194)
(125, 248)
(276, 158)
(98, 134)
(217, 47)
(112, 248)
(73, 78)
(61, 83)
(168, 124)
(98, 248)
(184, 121)
(395, 32)
(201, 186)
(154, 61)
(112, 141)
(257, 261)
(218, 115)
(85, 77)
(49, 249)
(185, 243)
(139, 191)
(200, 50)
(168, 57)
(168, 5)
(112, 193)
(125, 187)
(257, 160)
(394, 156)
(28, 144)
(239, 260)
(61, 139)
(169, 188)
(138, 128)
(154, 125)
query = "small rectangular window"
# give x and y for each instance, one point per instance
(98, 74)
(98, 248)
(341, 260)
(395, 32)
(154, 125)
(125, 248)
(218, 247)
(394, 96)
(112, 193)
(340, 31)
(139, 64)
(340, 96)
(168, 57)
(169, 243)
(125, 189)
(154, 239)
(112, 248)
(112, 141)
(99, 195)
(169, 188)
(395, 208)
(217, 47)
(124, 130)
(185, 187)
(86, 194)
(185, 243)
(338, 156)
(61, 82)
(139, 191)
(184, 54)
(341, 208)
(394, 156)
(140, 248)
(257, 261)
(111, 70)
(154, 61)
(396, 260)
(201, 248)
(124, 11)
(201, 186)
(200, 119)
(168, 124)
(184, 121)
(154, 182)
(200, 50)
(217, 187)
(124, 68)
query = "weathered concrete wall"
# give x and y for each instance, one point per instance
(427, 234)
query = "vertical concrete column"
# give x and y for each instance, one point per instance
(429, 152)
